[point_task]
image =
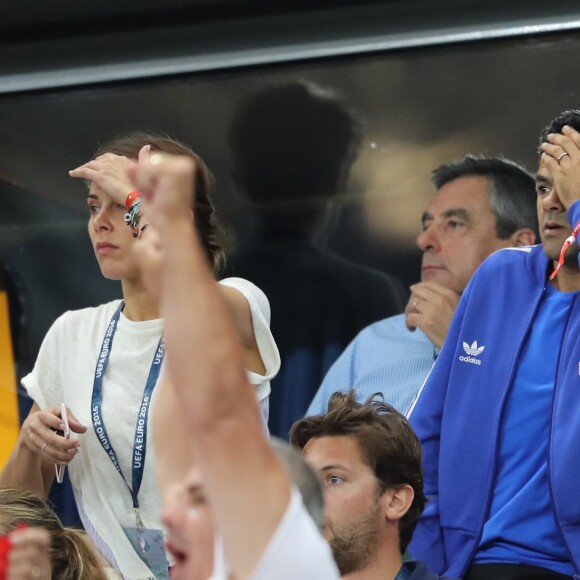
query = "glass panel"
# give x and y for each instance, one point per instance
(422, 108)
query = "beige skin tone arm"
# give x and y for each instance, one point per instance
(244, 480)
(431, 308)
(31, 468)
(174, 453)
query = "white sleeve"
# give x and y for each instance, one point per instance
(297, 549)
(260, 310)
(43, 384)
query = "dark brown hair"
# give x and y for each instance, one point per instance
(72, 556)
(203, 211)
(387, 443)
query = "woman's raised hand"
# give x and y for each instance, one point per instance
(39, 433)
(111, 173)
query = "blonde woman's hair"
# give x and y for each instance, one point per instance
(72, 555)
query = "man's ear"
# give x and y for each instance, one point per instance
(397, 501)
(523, 237)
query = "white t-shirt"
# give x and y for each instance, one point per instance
(297, 550)
(64, 372)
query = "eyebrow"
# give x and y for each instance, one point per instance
(92, 196)
(543, 179)
(459, 212)
(332, 467)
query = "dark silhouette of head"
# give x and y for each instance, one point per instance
(293, 145)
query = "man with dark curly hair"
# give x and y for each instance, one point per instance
(369, 461)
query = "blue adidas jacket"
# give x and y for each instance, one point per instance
(458, 412)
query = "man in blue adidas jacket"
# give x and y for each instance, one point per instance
(499, 416)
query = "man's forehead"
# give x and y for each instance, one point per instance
(543, 175)
(467, 194)
(333, 450)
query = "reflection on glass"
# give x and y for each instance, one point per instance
(423, 107)
(292, 148)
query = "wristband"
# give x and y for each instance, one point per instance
(132, 216)
(130, 199)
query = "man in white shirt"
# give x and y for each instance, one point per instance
(262, 524)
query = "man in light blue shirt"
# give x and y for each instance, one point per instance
(481, 205)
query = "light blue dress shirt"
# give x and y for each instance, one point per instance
(385, 357)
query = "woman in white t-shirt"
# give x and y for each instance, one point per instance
(103, 364)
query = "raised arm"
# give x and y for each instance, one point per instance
(205, 364)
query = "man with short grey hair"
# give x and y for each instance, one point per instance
(481, 205)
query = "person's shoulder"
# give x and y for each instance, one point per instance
(91, 312)
(387, 329)
(84, 319)
(242, 285)
(254, 295)
(296, 533)
(509, 258)
(511, 255)
(392, 325)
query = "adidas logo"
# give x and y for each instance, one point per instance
(474, 351)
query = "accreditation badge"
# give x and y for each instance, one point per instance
(150, 546)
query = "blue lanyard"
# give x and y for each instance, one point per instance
(140, 441)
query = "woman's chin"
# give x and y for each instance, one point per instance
(111, 275)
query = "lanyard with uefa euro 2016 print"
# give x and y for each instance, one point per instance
(140, 440)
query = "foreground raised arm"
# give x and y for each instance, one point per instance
(206, 368)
